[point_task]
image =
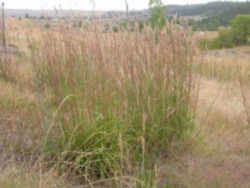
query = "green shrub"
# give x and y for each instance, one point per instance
(158, 17)
(241, 28)
(224, 40)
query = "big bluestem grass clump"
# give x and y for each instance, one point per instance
(118, 99)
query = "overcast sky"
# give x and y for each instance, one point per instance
(87, 5)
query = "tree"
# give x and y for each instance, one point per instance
(241, 29)
(157, 19)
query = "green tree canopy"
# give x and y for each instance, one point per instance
(241, 28)
(157, 19)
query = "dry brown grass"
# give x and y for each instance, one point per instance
(111, 86)
(22, 176)
(208, 35)
(224, 65)
(222, 118)
(219, 160)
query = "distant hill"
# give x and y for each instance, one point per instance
(221, 18)
(208, 9)
(214, 14)
(50, 13)
(210, 15)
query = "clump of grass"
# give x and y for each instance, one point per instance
(117, 99)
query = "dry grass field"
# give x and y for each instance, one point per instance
(44, 101)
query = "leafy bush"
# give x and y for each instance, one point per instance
(241, 28)
(224, 40)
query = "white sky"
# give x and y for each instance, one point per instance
(87, 5)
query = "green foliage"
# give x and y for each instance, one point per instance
(157, 19)
(236, 35)
(147, 177)
(241, 28)
(224, 40)
(204, 10)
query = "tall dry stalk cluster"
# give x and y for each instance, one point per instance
(113, 102)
